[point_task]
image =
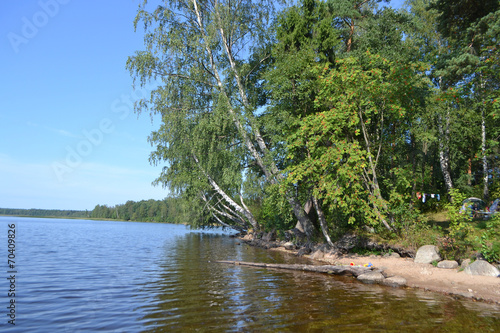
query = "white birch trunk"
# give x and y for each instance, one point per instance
(248, 215)
(444, 150)
(236, 120)
(322, 221)
(269, 169)
(486, 193)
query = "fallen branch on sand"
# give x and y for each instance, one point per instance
(329, 269)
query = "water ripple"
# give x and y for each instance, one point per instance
(87, 276)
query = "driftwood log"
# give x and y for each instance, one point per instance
(329, 269)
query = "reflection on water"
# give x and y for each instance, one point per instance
(82, 276)
(194, 293)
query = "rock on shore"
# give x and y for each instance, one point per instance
(482, 267)
(427, 254)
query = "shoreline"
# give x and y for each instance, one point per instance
(428, 277)
(452, 282)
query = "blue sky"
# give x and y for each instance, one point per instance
(69, 138)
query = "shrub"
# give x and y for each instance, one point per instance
(458, 242)
(489, 240)
(412, 227)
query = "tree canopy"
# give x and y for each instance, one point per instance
(321, 115)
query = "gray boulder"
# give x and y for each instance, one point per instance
(289, 246)
(465, 263)
(395, 281)
(427, 254)
(371, 277)
(482, 267)
(448, 264)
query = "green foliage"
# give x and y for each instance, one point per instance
(276, 212)
(406, 217)
(451, 248)
(489, 241)
(418, 234)
(411, 226)
(357, 99)
(456, 16)
(458, 242)
(459, 219)
(304, 38)
(364, 251)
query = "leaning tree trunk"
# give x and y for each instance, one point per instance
(267, 166)
(322, 221)
(371, 182)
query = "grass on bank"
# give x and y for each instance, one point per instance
(457, 238)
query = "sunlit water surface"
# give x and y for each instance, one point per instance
(88, 276)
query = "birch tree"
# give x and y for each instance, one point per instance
(199, 52)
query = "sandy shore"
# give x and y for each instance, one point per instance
(426, 276)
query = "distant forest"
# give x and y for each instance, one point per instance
(169, 210)
(45, 212)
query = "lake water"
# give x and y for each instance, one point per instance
(88, 276)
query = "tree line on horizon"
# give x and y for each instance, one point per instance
(323, 116)
(35, 212)
(168, 210)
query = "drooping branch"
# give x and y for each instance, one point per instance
(228, 212)
(228, 209)
(227, 225)
(248, 215)
(240, 222)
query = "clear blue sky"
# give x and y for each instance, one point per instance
(69, 138)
